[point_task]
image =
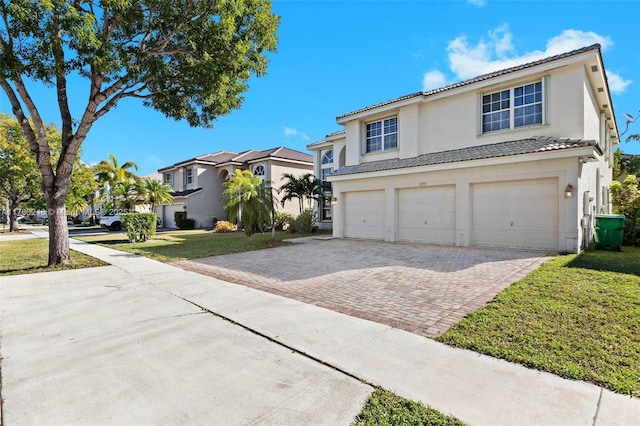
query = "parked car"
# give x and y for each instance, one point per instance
(111, 222)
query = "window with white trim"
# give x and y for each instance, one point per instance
(326, 168)
(327, 209)
(382, 135)
(258, 170)
(511, 108)
(168, 178)
(188, 177)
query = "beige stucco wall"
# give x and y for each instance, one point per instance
(453, 121)
(275, 170)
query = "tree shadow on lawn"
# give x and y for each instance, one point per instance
(625, 262)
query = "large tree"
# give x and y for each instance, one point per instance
(189, 59)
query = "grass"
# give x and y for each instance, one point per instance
(577, 316)
(384, 408)
(181, 245)
(32, 255)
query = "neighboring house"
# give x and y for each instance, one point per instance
(518, 158)
(198, 182)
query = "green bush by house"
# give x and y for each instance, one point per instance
(139, 226)
(183, 222)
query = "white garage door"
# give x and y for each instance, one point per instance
(364, 214)
(427, 215)
(516, 214)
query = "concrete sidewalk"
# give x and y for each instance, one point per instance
(184, 311)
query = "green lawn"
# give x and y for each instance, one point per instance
(577, 316)
(384, 408)
(31, 256)
(180, 245)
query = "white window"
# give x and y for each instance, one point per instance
(188, 177)
(168, 178)
(326, 168)
(258, 170)
(382, 135)
(512, 108)
(327, 209)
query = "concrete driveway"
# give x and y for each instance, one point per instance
(423, 289)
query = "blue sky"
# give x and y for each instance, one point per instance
(337, 56)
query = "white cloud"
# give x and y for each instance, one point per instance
(288, 131)
(497, 52)
(617, 84)
(433, 80)
(574, 39)
(478, 3)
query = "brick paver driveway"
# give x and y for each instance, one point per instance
(419, 288)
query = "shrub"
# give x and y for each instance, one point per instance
(183, 222)
(283, 220)
(222, 226)
(139, 226)
(625, 198)
(303, 223)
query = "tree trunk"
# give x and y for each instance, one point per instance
(58, 235)
(13, 216)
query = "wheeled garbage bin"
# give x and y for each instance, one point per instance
(609, 230)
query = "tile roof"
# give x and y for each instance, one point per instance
(280, 152)
(246, 156)
(503, 149)
(186, 192)
(594, 47)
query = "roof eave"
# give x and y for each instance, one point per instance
(577, 152)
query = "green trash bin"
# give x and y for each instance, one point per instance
(609, 229)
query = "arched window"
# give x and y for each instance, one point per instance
(327, 157)
(327, 165)
(258, 170)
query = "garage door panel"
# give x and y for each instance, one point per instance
(364, 214)
(427, 215)
(521, 214)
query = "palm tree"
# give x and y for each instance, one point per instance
(157, 192)
(293, 188)
(110, 172)
(249, 199)
(306, 187)
(128, 194)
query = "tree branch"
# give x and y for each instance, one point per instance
(61, 87)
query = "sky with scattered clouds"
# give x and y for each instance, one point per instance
(338, 56)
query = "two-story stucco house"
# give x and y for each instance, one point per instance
(198, 182)
(519, 158)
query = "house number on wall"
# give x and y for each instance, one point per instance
(422, 183)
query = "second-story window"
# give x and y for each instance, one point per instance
(258, 170)
(327, 165)
(168, 178)
(512, 108)
(382, 135)
(188, 176)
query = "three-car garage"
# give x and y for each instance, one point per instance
(517, 213)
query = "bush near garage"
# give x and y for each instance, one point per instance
(139, 226)
(222, 226)
(183, 222)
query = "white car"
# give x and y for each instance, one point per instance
(111, 222)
